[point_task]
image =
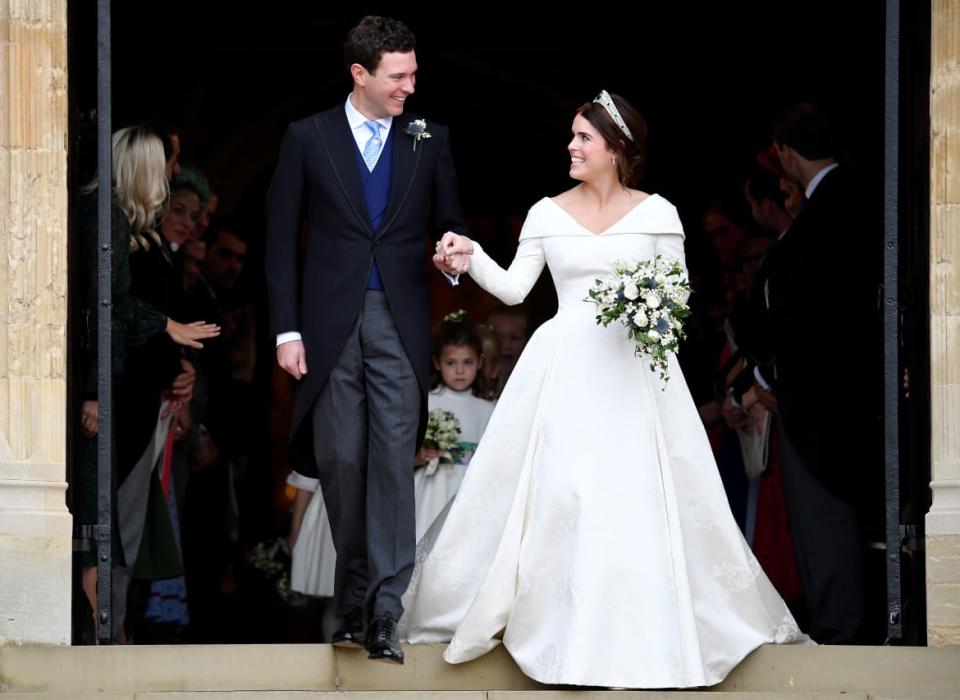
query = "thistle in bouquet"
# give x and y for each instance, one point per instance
(443, 435)
(649, 298)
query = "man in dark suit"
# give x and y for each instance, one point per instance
(371, 182)
(822, 324)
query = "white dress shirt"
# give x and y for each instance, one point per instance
(812, 185)
(362, 134)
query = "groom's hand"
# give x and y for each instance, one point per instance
(453, 253)
(292, 357)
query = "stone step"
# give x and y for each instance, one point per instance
(307, 670)
(464, 695)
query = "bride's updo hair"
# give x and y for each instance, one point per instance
(630, 154)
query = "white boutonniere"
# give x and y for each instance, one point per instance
(418, 130)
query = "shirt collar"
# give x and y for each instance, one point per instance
(356, 120)
(812, 185)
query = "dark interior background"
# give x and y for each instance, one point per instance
(710, 79)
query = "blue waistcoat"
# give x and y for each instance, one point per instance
(376, 192)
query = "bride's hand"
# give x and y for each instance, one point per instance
(453, 253)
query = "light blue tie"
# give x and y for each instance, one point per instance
(372, 149)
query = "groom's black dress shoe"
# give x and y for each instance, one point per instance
(350, 633)
(383, 640)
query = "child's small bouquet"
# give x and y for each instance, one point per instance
(443, 434)
(650, 299)
(272, 560)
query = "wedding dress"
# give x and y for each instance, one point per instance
(591, 533)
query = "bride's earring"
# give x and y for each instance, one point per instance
(613, 159)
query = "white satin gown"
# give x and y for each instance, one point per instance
(591, 533)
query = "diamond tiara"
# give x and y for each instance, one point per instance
(607, 102)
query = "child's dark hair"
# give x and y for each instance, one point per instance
(460, 332)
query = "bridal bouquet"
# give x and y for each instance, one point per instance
(650, 299)
(443, 434)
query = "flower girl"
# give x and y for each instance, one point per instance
(313, 559)
(456, 388)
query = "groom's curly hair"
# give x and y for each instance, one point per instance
(374, 36)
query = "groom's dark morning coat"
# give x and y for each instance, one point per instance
(317, 176)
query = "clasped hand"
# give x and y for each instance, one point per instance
(453, 253)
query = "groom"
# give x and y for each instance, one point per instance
(353, 326)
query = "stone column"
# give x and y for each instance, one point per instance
(35, 527)
(943, 520)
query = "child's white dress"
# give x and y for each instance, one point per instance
(313, 559)
(435, 487)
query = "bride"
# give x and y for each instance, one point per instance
(591, 534)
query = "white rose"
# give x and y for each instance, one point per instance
(653, 335)
(660, 279)
(640, 319)
(631, 291)
(652, 301)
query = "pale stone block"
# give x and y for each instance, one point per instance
(943, 604)
(944, 515)
(945, 256)
(943, 636)
(943, 520)
(83, 696)
(30, 471)
(147, 669)
(35, 588)
(316, 671)
(34, 56)
(35, 527)
(943, 559)
(30, 11)
(36, 254)
(667, 695)
(943, 589)
(945, 139)
(33, 421)
(425, 668)
(31, 508)
(337, 695)
(945, 29)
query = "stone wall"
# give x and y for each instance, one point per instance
(943, 520)
(35, 527)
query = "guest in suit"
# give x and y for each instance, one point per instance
(823, 335)
(353, 325)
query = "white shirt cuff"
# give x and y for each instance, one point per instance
(454, 280)
(304, 483)
(288, 337)
(733, 399)
(760, 380)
